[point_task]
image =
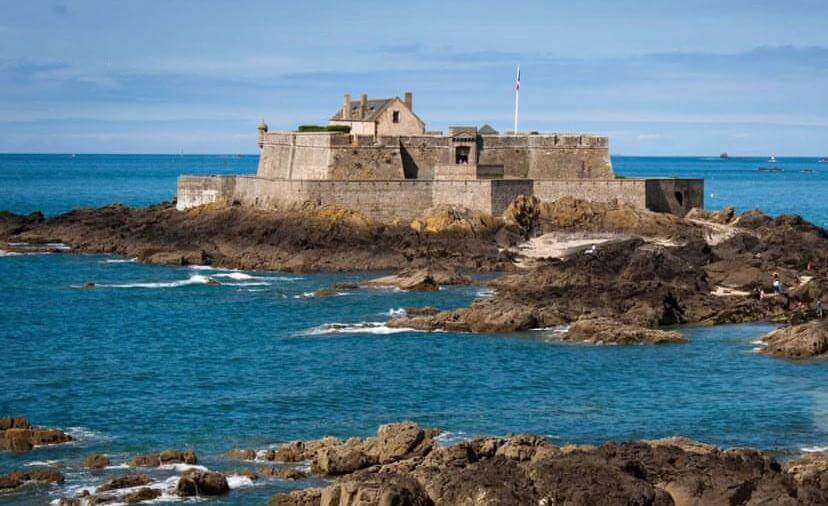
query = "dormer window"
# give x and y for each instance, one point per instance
(395, 116)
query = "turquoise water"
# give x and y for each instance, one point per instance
(154, 358)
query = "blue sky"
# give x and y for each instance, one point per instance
(658, 77)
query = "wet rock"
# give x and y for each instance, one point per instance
(606, 331)
(18, 435)
(285, 473)
(142, 494)
(798, 341)
(241, 454)
(128, 481)
(307, 497)
(165, 457)
(429, 279)
(299, 451)
(17, 479)
(421, 311)
(195, 482)
(522, 447)
(96, 461)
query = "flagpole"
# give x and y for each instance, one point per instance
(517, 98)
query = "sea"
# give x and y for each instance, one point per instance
(156, 358)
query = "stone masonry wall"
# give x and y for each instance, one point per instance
(630, 191)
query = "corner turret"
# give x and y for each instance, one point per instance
(262, 131)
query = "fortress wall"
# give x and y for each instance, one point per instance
(380, 200)
(509, 151)
(676, 196)
(504, 191)
(630, 191)
(295, 155)
(420, 154)
(374, 162)
(471, 194)
(194, 191)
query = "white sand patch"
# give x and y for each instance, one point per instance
(722, 291)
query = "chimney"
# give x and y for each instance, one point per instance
(409, 101)
(363, 105)
(346, 109)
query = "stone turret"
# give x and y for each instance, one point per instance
(262, 131)
(346, 107)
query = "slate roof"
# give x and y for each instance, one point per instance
(372, 111)
(487, 129)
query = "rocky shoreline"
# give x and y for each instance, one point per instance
(629, 271)
(405, 464)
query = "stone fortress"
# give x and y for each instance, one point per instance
(388, 167)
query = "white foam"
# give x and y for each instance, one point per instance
(235, 275)
(195, 279)
(204, 268)
(122, 465)
(84, 434)
(179, 467)
(250, 283)
(235, 481)
(452, 438)
(356, 328)
(396, 313)
(485, 292)
(120, 260)
(815, 449)
(4, 253)
(41, 463)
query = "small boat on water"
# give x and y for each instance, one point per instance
(808, 171)
(770, 169)
(724, 156)
(772, 159)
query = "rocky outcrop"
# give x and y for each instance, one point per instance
(17, 479)
(422, 280)
(96, 461)
(527, 469)
(798, 341)
(307, 238)
(128, 481)
(202, 483)
(606, 331)
(165, 457)
(18, 435)
(241, 454)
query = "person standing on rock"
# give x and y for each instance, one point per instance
(777, 284)
(819, 311)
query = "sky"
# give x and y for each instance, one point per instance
(657, 77)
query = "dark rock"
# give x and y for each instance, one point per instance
(285, 473)
(165, 457)
(195, 482)
(20, 436)
(128, 481)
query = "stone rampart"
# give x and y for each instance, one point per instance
(408, 199)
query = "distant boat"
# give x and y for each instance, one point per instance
(808, 171)
(772, 159)
(769, 169)
(823, 160)
(724, 156)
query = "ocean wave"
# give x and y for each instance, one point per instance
(178, 467)
(234, 275)
(235, 481)
(815, 449)
(395, 313)
(4, 253)
(84, 435)
(485, 292)
(379, 328)
(250, 283)
(40, 463)
(195, 279)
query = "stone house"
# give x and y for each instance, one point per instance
(379, 116)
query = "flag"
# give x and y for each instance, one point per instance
(517, 82)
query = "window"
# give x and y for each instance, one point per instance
(461, 155)
(395, 116)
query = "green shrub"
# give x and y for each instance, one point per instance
(534, 132)
(328, 128)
